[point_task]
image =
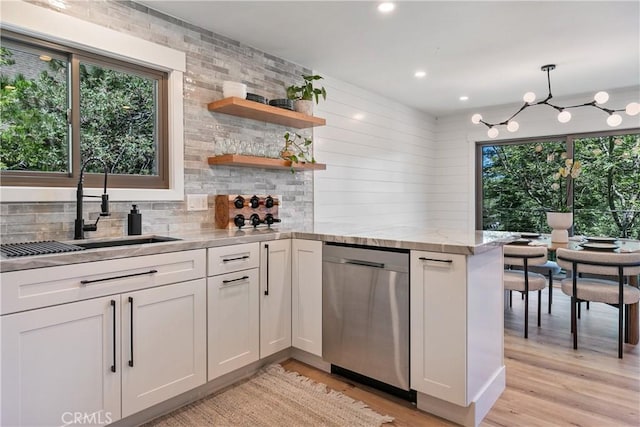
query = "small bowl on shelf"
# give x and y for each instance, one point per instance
(282, 103)
(236, 89)
(256, 98)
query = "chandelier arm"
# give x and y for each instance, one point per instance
(555, 106)
(526, 105)
(606, 110)
(544, 101)
(586, 104)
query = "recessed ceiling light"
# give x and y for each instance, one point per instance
(464, 98)
(420, 74)
(386, 7)
(358, 116)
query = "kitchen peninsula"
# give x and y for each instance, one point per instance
(456, 321)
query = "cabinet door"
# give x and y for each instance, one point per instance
(438, 325)
(233, 321)
(163, 343)
(61, 361)
(306, 288)
(275, 296)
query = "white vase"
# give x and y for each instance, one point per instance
(303, 106)
(560, 222)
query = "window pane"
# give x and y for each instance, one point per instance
(607, 193)
(33, 109)
(518, 184)
(118, 120)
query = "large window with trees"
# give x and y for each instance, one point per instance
(60, 106)
(519, 181)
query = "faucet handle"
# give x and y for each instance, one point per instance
(91, 227)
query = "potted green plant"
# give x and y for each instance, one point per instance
(297, 149)
(304, 94)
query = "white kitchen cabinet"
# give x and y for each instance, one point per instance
(61, 361)
(72, 359)
(40, 287)
(228, 259)
(457, 332)
(233, 296)
(439, 325)
(275, 296)
(306, 295)
(234, 321)
(163, 343)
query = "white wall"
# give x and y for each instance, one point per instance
(453, 201)
(380, 168)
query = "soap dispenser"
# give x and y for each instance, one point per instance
(134, 220)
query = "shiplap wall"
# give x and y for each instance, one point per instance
(453, 200)
(380, 167)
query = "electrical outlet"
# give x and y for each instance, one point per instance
(197, 202)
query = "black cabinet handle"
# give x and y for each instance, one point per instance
(448, 261)
(131, 332)
(113, 305)
(266, 246)
(86, 282)
(235, 259)
(235, 280)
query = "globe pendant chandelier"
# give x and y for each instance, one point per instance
(564, 116)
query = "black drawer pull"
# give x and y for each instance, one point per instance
(448, 261)
(86, 282)
(235, 259)
(131, 331)
(266, 292)
(113, 305)
(235, 280)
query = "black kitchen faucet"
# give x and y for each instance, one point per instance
(80, 226)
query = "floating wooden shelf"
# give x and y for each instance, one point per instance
(266, 113)
(262, 162)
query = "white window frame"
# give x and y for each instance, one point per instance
(43, 23)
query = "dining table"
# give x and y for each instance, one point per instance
(604, 244)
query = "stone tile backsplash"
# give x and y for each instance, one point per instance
(211, 59)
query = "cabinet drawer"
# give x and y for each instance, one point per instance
(40, 287)
(227, 259)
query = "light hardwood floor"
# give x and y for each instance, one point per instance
(548, 383)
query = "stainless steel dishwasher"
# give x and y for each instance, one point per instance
(365, 312)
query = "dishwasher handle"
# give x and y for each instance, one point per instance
(364, 263)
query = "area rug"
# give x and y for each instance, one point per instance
(275, 397)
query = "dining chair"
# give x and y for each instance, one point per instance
(549, 269)
(524, 280)
(617, 294)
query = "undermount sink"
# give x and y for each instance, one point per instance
(126, 242)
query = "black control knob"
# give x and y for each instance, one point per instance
(238, 202)
(238, 220)
(254, 202)
(268, 202)
(254, 219)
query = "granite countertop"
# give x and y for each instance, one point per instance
(405, 237)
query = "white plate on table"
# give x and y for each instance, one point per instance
(601, 239)
(595, 246)
(520, 242)
(529, 235)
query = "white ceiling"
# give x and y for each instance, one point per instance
(489, 51)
